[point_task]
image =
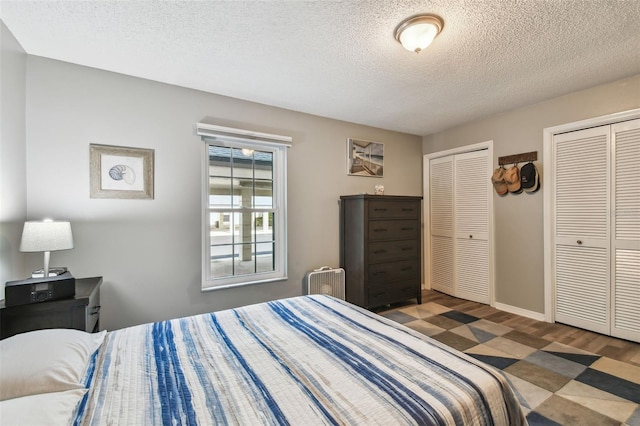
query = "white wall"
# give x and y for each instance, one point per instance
(13, 194)
(519, 218)
(149, 250)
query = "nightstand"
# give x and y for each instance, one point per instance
(81, 312)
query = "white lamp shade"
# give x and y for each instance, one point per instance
(46, 236)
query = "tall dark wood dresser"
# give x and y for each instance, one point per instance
(380, 248)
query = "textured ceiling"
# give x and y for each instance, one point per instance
(340, 59)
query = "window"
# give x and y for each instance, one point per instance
(244, 207)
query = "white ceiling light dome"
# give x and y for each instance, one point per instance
(417, 32)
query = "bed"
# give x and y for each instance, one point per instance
(303, 360)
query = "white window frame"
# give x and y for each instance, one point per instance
(239, 138)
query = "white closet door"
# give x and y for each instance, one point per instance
(472, 226)
(582, 228)
(441, 214)
(626, 235)
(459, 225)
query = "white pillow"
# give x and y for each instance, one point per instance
(55, 408)
(45, 361)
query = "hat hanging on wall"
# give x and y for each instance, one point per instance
(498, 181)
(512, 179)
(529, 178)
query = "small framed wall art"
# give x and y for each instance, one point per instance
(121, 172)
(365, 158)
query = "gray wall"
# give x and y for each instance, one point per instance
(149, 250)
(13, 194)
(519, 218)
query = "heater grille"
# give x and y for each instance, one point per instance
(326, 280)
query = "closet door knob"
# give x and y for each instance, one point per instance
(579, 242)
(470, 236)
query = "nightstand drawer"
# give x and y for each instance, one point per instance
(393, 250)
(393, 229)
(393, 209)
(384, 273)
(92, 313)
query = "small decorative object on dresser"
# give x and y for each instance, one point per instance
(380, 248)
(81, 312)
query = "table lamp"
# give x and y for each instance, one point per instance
(46, 236)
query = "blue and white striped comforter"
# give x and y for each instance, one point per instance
(302, 361)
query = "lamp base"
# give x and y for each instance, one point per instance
(53, 272)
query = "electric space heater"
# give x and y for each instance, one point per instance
(326, 280)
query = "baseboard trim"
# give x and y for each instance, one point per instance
(519, 311)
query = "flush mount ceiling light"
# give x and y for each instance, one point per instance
(417, 32)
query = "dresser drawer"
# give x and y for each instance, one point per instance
(393, 229)
(389, 294)
(383, 273)
(393, 250)
(393, 209)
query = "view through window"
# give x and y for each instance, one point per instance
(245, 225)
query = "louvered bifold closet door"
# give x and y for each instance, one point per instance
(626, 240)
(441, 208)
(582, 224)
(472, 226)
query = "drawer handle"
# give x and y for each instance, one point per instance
(406, 248)
(379, 210)
(379, 251)
(380, 230)
(407, 229)
(407, 210)
(95, 311)
(408, 268)
(375, 274)
(470, 236)
(579, 242)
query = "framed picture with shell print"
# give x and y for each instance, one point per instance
(121, 172)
